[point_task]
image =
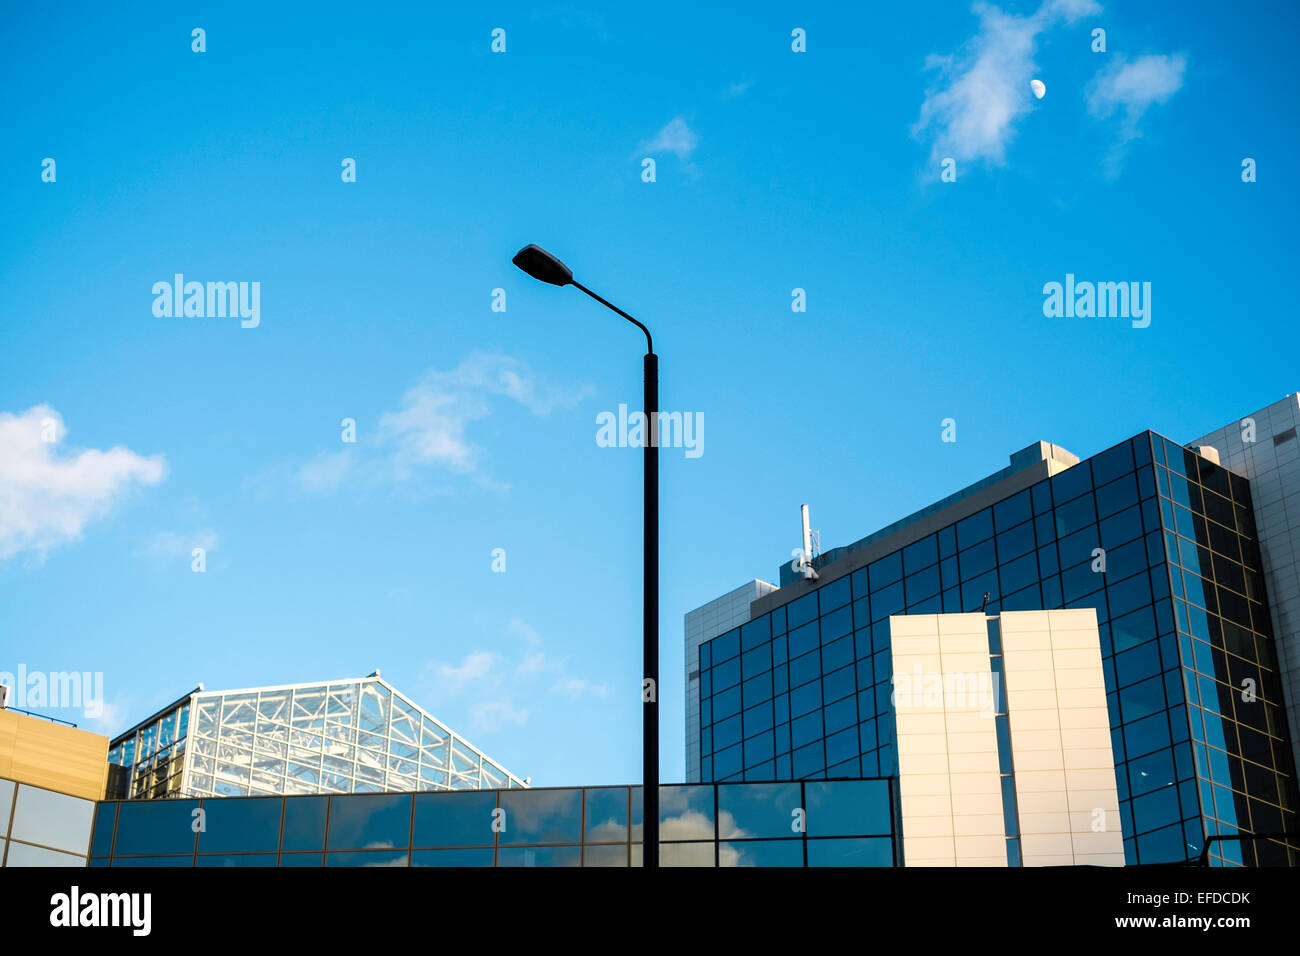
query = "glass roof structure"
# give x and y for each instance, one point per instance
(358, 735)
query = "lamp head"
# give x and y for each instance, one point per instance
(540, 264)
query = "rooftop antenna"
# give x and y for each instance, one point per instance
(808, 572)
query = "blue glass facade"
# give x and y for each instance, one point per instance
(810, 823)
(803, 692)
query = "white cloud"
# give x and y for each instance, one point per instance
(534, 662)
(47, 499)
(111, 719)
(576, 687)
(525, 630)
(431, 427)
(477, 665)
(1130, 88)
(739, 89)
(172, 544)
(326, 471)
(676, 137)
(492, 715)
(984, 88)
(490, 676)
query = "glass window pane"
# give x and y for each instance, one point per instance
(1009, 513)
(885, 571)
(1015, 542)
(7, 802)
(836, 624)
(1155, 810)
(833, 595)
(606, 815)
(371, 858)
(540, 856)
(756, 661)
(686, 813)
(974, 529)
(1151, 771)
(920, 554)
(541, 816)
(844, 807)
(1112, 463)
(228, 860)
(52, 819)
(155, 826)
(105, 818)
(1072, 482)
(20, 854)
(757, 810)
(887, 601)
(761, 853)
(726, 674)
(725, 647)
(301, 859)
(604, 855)
(474, 857)
(801, 611)
(686, 854)
(377, 821)
(236, 824)
(756, 632)
(304, 823)
(878, 851)
(153, 861)
(454, 819)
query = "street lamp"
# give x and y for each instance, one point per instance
(540, 264)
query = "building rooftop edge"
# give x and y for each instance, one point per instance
(1034, 463)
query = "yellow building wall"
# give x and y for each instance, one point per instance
(53, 756)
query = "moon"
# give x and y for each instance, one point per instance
(1039, 88)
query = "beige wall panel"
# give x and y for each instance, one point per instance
(52, 756)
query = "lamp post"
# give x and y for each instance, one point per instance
(541, 265)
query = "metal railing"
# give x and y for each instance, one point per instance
(30, 713)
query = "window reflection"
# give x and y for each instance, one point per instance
(152, 827)
(373, 858)
(463, 857)
(846, 807)
(369, 822)
(454, 819)
(615, 855)
(541, 816)
(55, 820)
(757, 810)
(686, 854)
(237, 860)
(761, 853)
(851, 852)
(686, 813)
(252, 824)
(540, 856)
(606, 815)
(304, 823)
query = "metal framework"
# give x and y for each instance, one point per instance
(358, 735)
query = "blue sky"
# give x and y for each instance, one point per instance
(476, 429)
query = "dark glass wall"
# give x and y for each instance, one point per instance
(813, 823)
(151, 758)
(803, 692)
(1240, 743)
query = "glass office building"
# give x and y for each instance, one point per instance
(350, 736)
(809, 823)
(1159, 540)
